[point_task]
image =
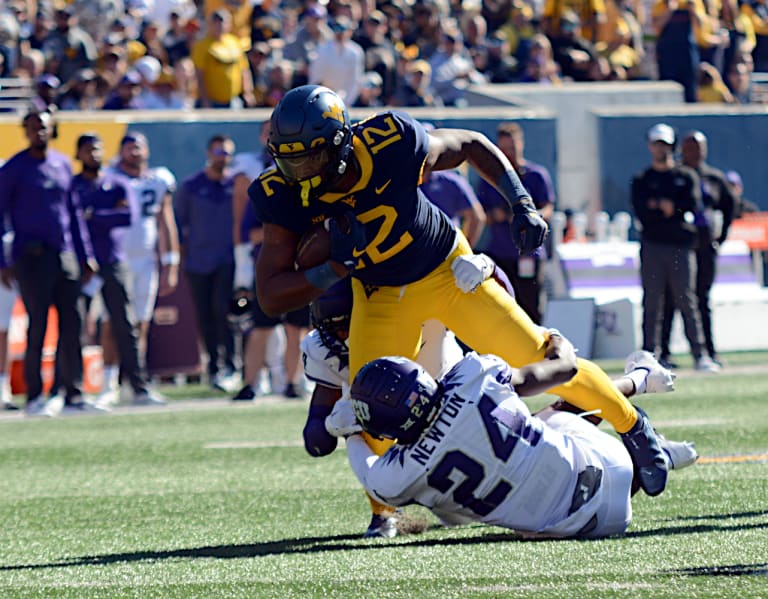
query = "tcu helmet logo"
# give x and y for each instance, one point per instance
(360, 408)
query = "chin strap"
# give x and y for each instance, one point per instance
(307, 185)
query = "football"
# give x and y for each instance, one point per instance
(314, 247)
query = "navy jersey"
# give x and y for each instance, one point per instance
(408, 236)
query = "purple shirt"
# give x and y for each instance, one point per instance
(35, 195)
(450, 192)
(106, 201)
(204, 214)
(497, 240)
(250, 222)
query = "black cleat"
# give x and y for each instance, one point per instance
(647, 456)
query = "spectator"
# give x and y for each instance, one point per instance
(757, 13)
(151, 37)
(9, 35)
(712, 223)
(425, 31)
(127, 95)
(740, 82)
(558, 18)
(279, 82)
(312, 32)
(452, 70)
(51, 255)
(41, 29)
(165, 93)
(540, 66)
(80, 93)
(152, 232)
(380, 53)
(416, 86)
(47, 88)
(107, 206)
(743, 205)
(370, 90)
(203, 207)
(453, 194)
(665, 198)
(224, 79)
(576, 55)
(180, 36)
(265, 20)
(712, 88)
(677, 52)
(500, 65)
(68, 48)
(525, 272)
(340, 62)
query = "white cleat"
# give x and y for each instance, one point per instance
(679, 454)
(659, 379)
(707, 364)
(84, 407)
(382, 527)
(149, 398)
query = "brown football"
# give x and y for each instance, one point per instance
(314, 247)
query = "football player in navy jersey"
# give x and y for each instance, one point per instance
(398, 247)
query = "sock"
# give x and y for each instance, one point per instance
(638, 377)
(5, 387)
(111, 375)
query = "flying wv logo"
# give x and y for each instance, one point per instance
(334, 112)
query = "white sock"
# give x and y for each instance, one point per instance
(638, 377)
(5, 387)
(111, 376)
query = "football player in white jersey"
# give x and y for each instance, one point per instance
(469, 449)
(152, 233)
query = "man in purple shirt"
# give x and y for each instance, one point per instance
(525, 272)
(51, 255)
(203, 207)
(453, 194)
(107, 208)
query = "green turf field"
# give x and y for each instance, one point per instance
(216, 500)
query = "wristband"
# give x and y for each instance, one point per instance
(170, 258)
(511, 187)
(322, 276)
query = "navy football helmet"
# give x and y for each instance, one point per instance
(310, 139)
(395, 398)
(331, 314)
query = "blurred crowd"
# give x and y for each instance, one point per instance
(181, 54)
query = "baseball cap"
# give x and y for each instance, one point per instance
(131, 77)
(734, 178)
(662, 132)
(316, 11)
(87, 138)
(134, 137)
(48, 80)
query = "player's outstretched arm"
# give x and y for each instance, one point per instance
(448, 148)
(558, 366)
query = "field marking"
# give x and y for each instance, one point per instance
(733, 459)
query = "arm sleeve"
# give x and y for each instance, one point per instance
(362, 459)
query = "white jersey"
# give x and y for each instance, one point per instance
(439, 352)
(486, 458)
(149, 191)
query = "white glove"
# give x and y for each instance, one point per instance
(243, 266)
(471, 270)
(341, 422)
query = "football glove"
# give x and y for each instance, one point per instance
(528, 228)
(471, 270)
(344, 243)
(341, 422)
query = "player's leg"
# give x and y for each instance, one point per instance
(7, 300)
(381, 325)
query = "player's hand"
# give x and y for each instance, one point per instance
(345, 242)
(471, 270)
(341, 422)
(558, 347)
(528, 228)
